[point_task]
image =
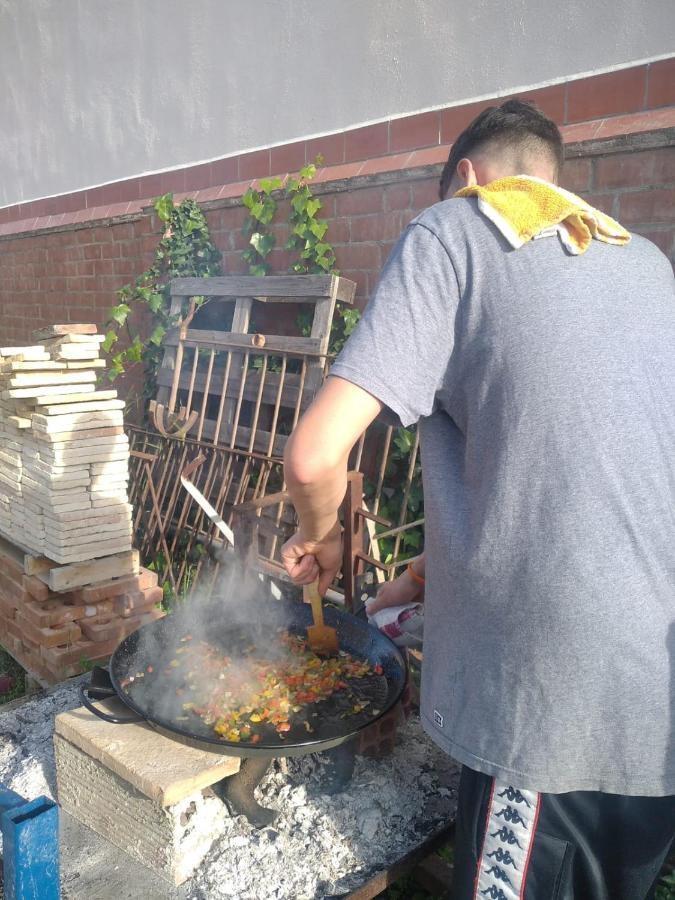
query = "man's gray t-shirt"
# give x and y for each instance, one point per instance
(544, 386)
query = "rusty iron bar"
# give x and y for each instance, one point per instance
(156, 510)
(383, 467)
(359, 451)
(266, 469)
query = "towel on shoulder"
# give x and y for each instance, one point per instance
(524, 208)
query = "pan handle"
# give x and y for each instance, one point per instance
(100, 688)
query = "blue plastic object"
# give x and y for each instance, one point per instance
(30, 835)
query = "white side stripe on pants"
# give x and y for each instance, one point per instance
(509, 834)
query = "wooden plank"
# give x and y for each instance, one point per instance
(63, 578)
(91, 397)
(73, 338)
(270, 388)
(36, 365)
(386, 877)
(69, 328)
(84, 364)
(226, 340)
(32, 379)
(282, 286)
(346, 290)
(86, 553)
(20, 421)
(44, 391)
(61, 424)
(75, 352)
(36, 565)
(64, 408)
(87, 435)
(24, 353)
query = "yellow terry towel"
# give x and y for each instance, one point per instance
(524, 207)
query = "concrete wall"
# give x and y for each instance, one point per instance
(95, 91)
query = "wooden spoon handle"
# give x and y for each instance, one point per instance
(311, 592)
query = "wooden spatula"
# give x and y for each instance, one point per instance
(322, 638)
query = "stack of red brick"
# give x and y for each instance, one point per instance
(55, 636)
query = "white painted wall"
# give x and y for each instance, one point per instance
(98, 90)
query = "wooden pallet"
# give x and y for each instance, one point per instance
(238, 389)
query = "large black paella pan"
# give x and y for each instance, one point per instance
(156, 697)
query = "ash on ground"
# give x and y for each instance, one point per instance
(320, 846)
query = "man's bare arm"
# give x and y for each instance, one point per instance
(315, 469)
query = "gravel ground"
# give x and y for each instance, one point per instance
(319, 847)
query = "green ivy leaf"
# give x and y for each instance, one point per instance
(299, 202)
(110, 339)
(317, 228)
(155, 301)
(157, 335)
(250, 198)
(312, 208)
(118, 362)
(263, 243)
(120, 313)
(164, 207)
(308, 172)
(269, 207)
(135, 351)
(267, 185)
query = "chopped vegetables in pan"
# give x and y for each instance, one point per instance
(242, 696)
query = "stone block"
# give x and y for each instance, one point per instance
(51, 613)
(114, 587)
(163, 770)
(171, 841)
(113, 629)
(67, 633)
(36, 588)
(59, 657)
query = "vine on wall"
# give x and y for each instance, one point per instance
(185, 250)
(314, 254)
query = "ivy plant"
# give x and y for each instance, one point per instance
(262, 208)
(185, 250)
(308, 233)
(308, 239)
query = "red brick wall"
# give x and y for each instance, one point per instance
(72, 275)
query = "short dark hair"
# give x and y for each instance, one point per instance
(513, 124)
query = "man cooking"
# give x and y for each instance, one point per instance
(533, 340)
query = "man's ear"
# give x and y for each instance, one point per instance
(466, 173)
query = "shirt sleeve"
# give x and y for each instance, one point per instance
(401, 349)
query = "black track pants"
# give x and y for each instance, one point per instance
(582, 845)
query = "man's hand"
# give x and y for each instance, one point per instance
(305, 561)
(399, 592)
